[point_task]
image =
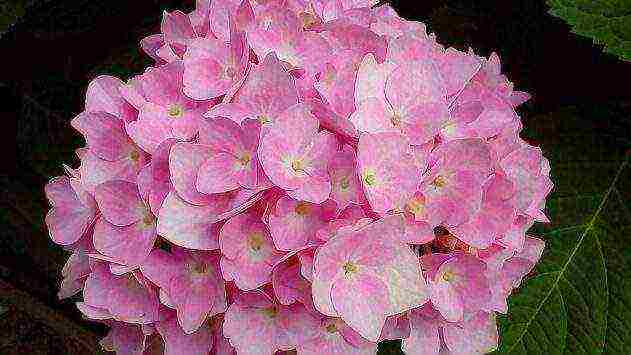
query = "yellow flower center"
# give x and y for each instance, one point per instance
(370, 178)
(439, 181)
(331, 328)
(350, 268)
(416, 206)
(302, 209)
(255, 241)
(396, 119)
(264, 119)
(449, 276)
(270, 312)
(175, 111)
(134, 155)
(344, 183)
(245, 158)
(297, 165)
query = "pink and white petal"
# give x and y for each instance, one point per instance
(184, 162)
(424, 336)
(187, 225)
(222, 135)
(152, 127)
(373, 115)
(93, 313)
(219, 173)
(314, 190)
(132, 302)
(119, 202)
(268, 89)
(365, 311)
(160, 267)
(371, 79)
(95, 170)
(186, 126)
(68, 220)
(177, 342)
(477, 335)
(447, 301)
(248, 330)
(192, 305)
(104, 133)
(129, 245)
(103, 96)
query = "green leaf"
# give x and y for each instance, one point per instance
(607, 22)
(578, 303)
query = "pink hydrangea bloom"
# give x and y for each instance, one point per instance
(164, 111)
(387, 170)
(407, 98)
(295, 155)
(293, 224)
(127, 298)
(255, 324)
(176, 341)
(275, 181)
(458, 284)
(73, 210)
(332, 336)
(234, 162)
(248, 252)
(212, 67)
(453, 185)
(383, 275)
(126, 231)
(191, 281)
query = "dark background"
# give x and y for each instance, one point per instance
(57, 46)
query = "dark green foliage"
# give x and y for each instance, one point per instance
(607, 22)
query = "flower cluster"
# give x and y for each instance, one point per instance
(299, 175)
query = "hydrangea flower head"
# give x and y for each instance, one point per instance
(299, 177)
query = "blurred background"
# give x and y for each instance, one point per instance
(51, 49)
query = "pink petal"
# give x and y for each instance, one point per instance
(187, 225)
(119, 202)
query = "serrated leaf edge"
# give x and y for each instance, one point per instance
(561, 272)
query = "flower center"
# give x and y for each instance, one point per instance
(302, 209)
(396, 119)
(331, 328)
(264, 119)
(416, 206)
(255, 242)
(344, 183)
(148, 219)
(350, 268)
(198, 268)
(175, 111)
(245, 158)
(297, 165)
(370, 178)
(439, 181)
(449, 276)
(134, 155)
(270, 312)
